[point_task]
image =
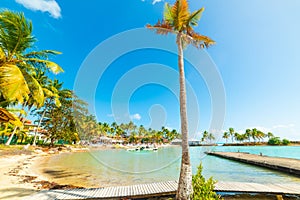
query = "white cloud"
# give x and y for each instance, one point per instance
(283, 126)
(156, 1)
(50, 6)
(136, 116)
(110, 115)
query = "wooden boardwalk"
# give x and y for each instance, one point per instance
(287, 165)
(160, 189)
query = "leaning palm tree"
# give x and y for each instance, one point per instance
(16, 60)
(180, 21)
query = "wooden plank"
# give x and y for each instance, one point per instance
(165, 188)
(287, 165)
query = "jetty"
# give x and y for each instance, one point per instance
(161, 189)
(287, 165)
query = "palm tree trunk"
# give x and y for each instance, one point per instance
(185, 180)
(39, 124)
(15, 129)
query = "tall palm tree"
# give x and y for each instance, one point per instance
(52, 92)
(180, 21)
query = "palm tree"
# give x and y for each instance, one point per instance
(205, 136)
(180, 21)
(254, 134)
(52, 92)
(270, 135)
(16, 61)
(231, 133)
(248, 134)
(226, 136)
(211, 137)
(18, 64)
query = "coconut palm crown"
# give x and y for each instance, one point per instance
(17, 62)
(178, 19)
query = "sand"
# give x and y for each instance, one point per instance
(19, 178)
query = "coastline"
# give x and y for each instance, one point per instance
(21, 174)
(20, 177)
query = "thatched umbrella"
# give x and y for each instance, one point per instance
(6, 116)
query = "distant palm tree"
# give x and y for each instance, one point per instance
(248, 134)
(231, 133)
(226, 136)
(179, 20)
(211, 137)
(204, 136)
(254, 134)
(270, 135)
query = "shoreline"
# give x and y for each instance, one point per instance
(21, 176)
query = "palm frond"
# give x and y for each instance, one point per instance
(180, 13)
(37, 97)
(161, 27)
(12, 83)
(168, 14)
(41, 54)
(195, 17)
(197, 40)
(52, 66)
(15, 32)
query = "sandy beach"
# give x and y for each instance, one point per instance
(19, 177)
(16, 176)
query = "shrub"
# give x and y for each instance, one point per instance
(274, 141)
(202, 189)
(285, 142)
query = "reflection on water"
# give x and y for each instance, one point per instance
(120, 167)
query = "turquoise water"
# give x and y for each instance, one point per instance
(120, 167)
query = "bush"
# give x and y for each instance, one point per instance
(202, 189)
(285, 142)
(274, 141)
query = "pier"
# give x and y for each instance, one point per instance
(161, 189)
(287, 165)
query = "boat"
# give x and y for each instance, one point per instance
(143, 148)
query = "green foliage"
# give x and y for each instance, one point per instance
(285, 142)
(202, 189)
(274, 141)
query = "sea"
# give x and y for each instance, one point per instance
(110, 167)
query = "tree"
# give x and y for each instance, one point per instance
(16, 60)
(231, 133)
(211, 137)
(270, 135)
(248, 134)
(18, 63)
(204, 136)
(254, 134)
(179, 20)
(226, 136)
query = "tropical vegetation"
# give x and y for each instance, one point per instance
(203, 189)
(253, 136)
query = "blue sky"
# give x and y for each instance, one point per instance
(257, 56)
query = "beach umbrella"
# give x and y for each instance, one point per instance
(6, 116)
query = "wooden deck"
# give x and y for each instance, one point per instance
(160, 189)
(287, 165)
